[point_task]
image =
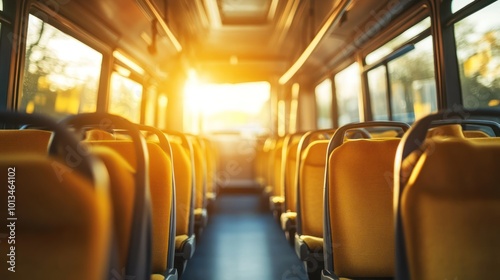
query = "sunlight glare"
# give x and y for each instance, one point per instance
(209, 99)
(226, 107)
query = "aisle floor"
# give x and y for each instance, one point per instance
(242, 241)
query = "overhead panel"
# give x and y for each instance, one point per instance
(233, 12)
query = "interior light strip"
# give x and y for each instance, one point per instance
(332, 19)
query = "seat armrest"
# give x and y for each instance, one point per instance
(200, 217)
(325, 275)
(288, 221)
(276, 203)
(301, 248)
(185, 246)
(172, 275)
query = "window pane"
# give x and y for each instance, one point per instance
(1, 5)
(478, 53)
(348, 90)
(413, 86)
(456, 5)
(397, 42)
(151, 104)
(125, 99)
(61, 74)
(323, 94)
(161, 117)
(377, 84)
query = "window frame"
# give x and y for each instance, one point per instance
(133, 78)
(7, 16)
(332, 92)
(452, 96)
(404, 22)
(361, 95)
(59, 22)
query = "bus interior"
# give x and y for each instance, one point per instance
(249, 139)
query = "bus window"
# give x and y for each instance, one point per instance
(397, 42)
(348, 90)
(457, 5)
(61, 74)
(125, 98)
(412, 82)
(232, 108)
(323, 93)
(161, 111)
(478, 53)
(1, 5)
(151, 103)
(403, 87)
(377, 83)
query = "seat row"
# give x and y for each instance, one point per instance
(97, 197)
(370, 200)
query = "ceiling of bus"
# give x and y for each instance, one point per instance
(227, 40)
(243, 12)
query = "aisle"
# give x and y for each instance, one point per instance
(243, 242)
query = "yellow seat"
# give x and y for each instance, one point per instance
(122, 190)
(183, 178)
(309, 168)
(276, 198)
(475, 134)
(27, 141)
(163, 211)
(309, 237)
(359, 209)
(260, 162)
(200, 178)
(184, 193)
(129, 171)
(452, 201)
(63, 227)
(210, 153)
(288, 217)
(98, 134)
(448, 204)
(450, 130)
(57, 216)
(267, 168)
(161, 189)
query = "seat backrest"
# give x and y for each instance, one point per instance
(26, 141)
(288, 167)
(475, 134)
(290, 178)
(200, 171)
(277, 168)
(210, 156)
(57, 215)
(134, 254)
(122, 190)
(310, 199)
(450, 208)
(61, 227)
(360, 209)
(98, 134)
(259, 162)
(162, 203)
(183, 188)
(450, 130)
(161, 189)
(267, 171)
(318, 159)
